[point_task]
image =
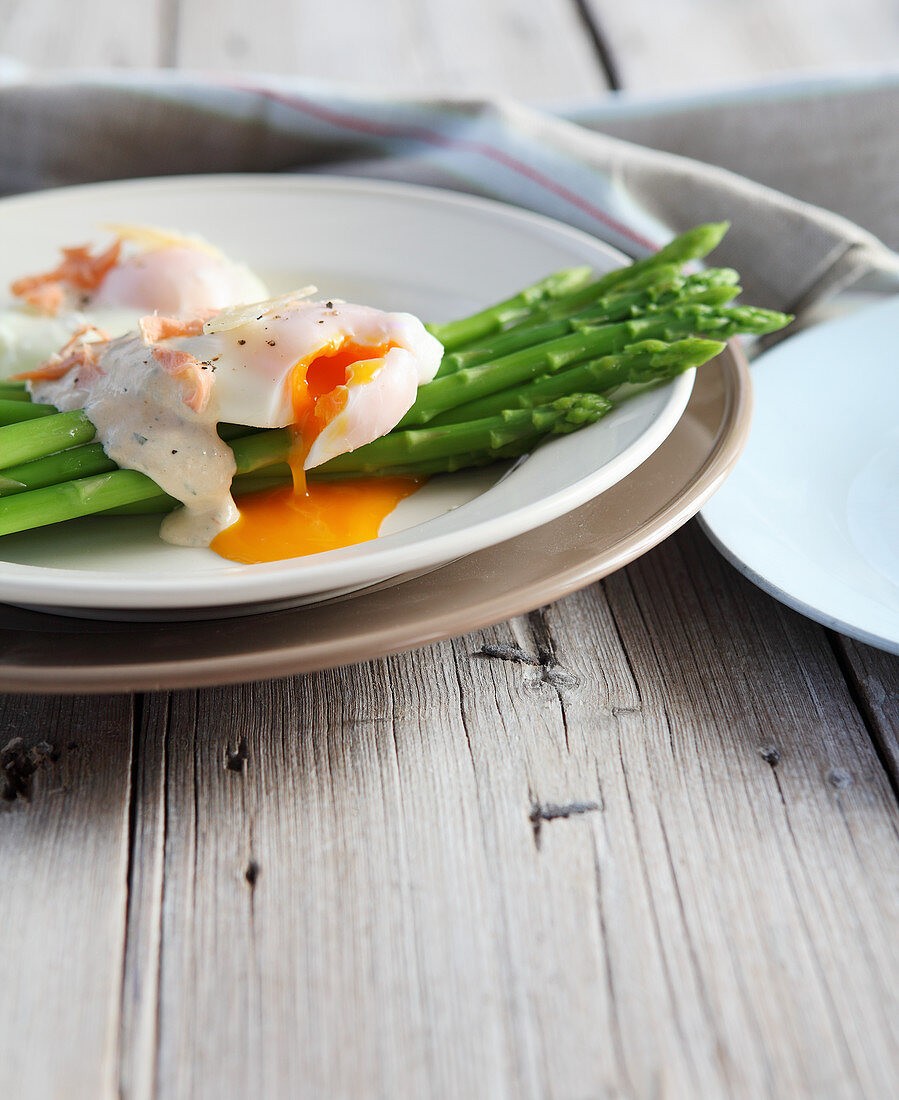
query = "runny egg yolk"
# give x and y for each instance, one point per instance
(306, 519)
(281, 523)
(319, 393)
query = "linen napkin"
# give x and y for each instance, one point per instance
(628, 171)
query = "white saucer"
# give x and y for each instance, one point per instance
(811, 512)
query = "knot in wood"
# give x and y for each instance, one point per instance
(840, 778)
(18, 765)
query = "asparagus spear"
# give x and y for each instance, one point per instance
(496, 433)
(654, 281)
(100, 492)
(647, 361)
(86, 460)
(47, 433)
(272, 478)
(472, 383)
(454, 334)
(16, 410)
(652, 271)
(51, 469)
(492, 434)
(559, 309)
(704, 289)
(83, 497)
(692, 245)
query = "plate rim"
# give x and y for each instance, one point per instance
(784, 595)
(58, 589)
(269, 662)
(832, 622)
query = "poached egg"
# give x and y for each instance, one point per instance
(340, 375)
(143, 270)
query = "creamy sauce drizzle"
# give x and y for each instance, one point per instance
(144, 425)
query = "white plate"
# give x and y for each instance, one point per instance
(811, 512)
(436, 254)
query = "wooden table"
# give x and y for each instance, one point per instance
(658, 858)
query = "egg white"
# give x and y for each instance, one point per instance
(251, 359)
(168, 274)
(254, 363)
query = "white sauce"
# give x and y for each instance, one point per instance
(144, 425)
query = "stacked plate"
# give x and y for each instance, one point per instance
(811, 514)
(464, 551)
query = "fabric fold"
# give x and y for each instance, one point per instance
(584, 170)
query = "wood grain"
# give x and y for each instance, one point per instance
(50, 35)
(805, 844)
(873, 676)
(530, 48)
(63, 860)
(681, 44)
(637, 855)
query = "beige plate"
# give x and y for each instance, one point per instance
(48, 653)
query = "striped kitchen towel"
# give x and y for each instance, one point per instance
(798, 170)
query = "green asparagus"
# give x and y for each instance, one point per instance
(16, 410)
(644, 362)
(455, 334)
(88, 495)
(472, 383)
(547, 360)
(704, 289)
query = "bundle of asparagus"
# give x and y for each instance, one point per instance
(547, 361)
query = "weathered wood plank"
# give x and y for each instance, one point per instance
(793, 866)
(51, 35)
(684, 44)
(644, 853)
(63, 862)
(874, 676)
(535, 49)
(322, 943)
(138, 1017)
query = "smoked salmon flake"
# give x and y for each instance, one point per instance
(182, 364)
(79, 269)
(46, 298)
(76, 352)
(154, 328)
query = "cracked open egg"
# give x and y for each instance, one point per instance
(337, 375)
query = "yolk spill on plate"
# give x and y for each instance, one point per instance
(282, 523)
(306, 518)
